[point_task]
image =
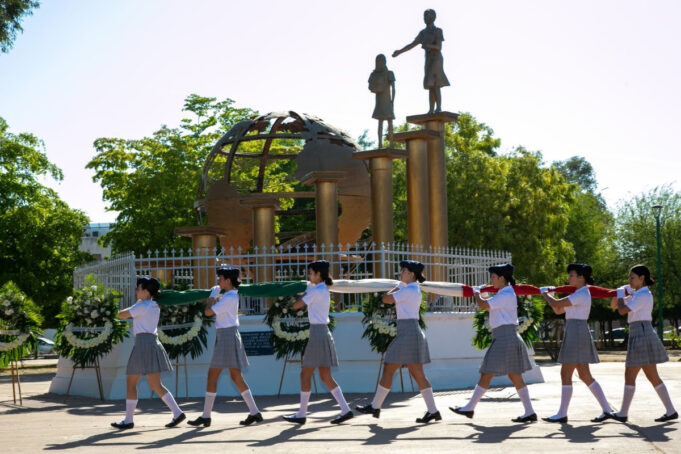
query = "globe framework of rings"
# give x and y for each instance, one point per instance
(237, 171)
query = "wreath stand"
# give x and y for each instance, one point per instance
(98, 373)
(177, 373)
(380, 369)
(14, 370)
(283, 370)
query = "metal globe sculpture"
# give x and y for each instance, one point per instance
(251, 158)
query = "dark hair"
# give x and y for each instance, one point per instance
(430, 11)
(415, 267)
(321, 267)
(230, 273)
(642, 270)
(505, 270)
(582, 269)
(150, 284)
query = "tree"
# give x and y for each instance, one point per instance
(152, 182)
(11, 13)
(579, 171)
(39, 233)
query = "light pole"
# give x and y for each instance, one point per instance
(660, 325)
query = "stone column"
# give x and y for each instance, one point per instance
(381, 170)
(263, 233)
(204, 239)
(418, 220)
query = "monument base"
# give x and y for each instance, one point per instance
(455, 364)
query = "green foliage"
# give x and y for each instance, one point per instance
(11, 14)
(90, 306)
(579, 171)
(184, 314)
(39, 233)
(380, 322)
(152, 182)
(17, 312)
(290, 328)
(530, 315)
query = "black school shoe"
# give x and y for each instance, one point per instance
(295, 419)
(123, 425)
(200, 421)
(528, 418)
(562, 420)
(429, 417)
(617, 417)
(342, 418)
(601, 418)
(666, 417)
(369, 410)
(251, 419)
(459, 411)
(177, 420)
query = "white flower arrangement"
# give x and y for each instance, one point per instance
(524, 324)
(382, 327)
(7, 346)
(299, 335)
(86, 344)
(182, 338)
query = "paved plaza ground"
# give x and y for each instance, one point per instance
(54, 423)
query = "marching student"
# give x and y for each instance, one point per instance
(148, 357)
(645, 350)
(578, 349)
(410, 346)
(229, 350)
(507, 355)
(320, 352)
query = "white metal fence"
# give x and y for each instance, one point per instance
(183, 269)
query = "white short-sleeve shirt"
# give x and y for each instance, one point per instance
(641, 305)
(227, 310)
(408, 301)
(145, 315)
(317, 300)
(581, 304)
(503, 308)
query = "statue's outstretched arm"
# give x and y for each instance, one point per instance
(406, 48)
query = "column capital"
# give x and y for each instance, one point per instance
(323, 175)
(391, 153)
(423, 134)
(444, 117)
(191, 232)
(259, 201)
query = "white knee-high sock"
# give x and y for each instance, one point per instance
(130, 405)
(664, 397)
(565, 396)
(379, 397)
(250, 402)
(626, 400)
(524, 395)
(208, 402)
(597, 391)
(170, 402)
(337, 394)
(427, 394)
(304, 399)
(475, 398)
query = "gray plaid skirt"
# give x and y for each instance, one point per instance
(578, 347)
(644, 346)
(229, 352)
(320, 350)
(409, 346)
(148, 356)
(507, 354)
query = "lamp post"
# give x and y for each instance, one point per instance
(660, 325)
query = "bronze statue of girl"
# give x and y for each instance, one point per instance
(382, 82)
(430, 39)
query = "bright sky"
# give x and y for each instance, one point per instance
(598, 79)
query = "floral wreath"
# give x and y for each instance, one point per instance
(89, 325)
(182, 329)
(19, 322)
(380, 322)
(530, 315)
(291, 328)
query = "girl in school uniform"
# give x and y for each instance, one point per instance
(578, 349)
(148, 357)
(645, 350)
(229, 352)
(507, 355)
(410, 346)
(320, 352)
